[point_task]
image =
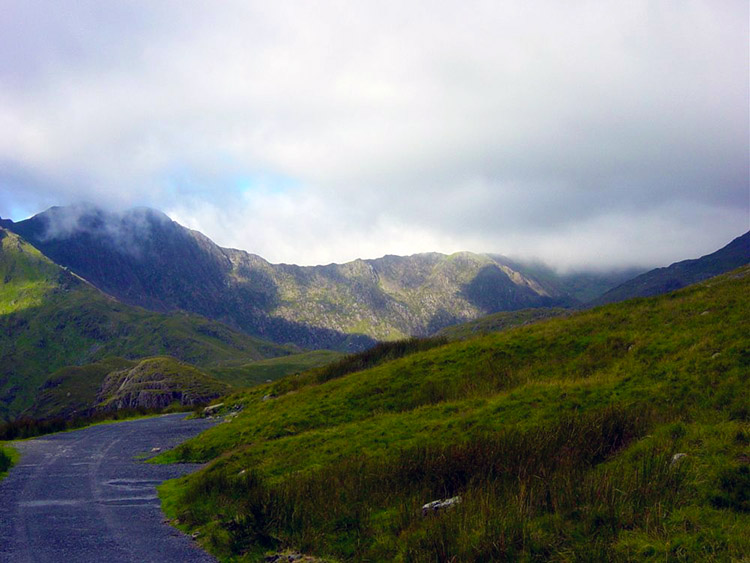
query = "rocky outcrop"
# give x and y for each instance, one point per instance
(156, 383)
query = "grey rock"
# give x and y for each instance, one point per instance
(438, 505)
(677, 457)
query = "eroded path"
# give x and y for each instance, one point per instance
(82, 496)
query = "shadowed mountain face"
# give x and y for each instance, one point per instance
(143, 258)
(682, 274)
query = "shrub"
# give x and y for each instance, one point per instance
(5, 461)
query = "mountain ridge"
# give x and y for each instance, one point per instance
(143, 258)
(681, 274)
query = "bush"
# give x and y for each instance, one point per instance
(5, 461)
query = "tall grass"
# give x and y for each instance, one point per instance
(378, 354)
(506, 479)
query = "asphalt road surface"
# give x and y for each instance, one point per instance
(82, 496)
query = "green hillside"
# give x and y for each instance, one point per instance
(27, 276)
(559, 438)
(500, 321)
(53, 319)
(261, 371)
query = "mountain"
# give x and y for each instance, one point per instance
(51, 318)
(613, 434)
(682, 274)
(583, 286)
(143, 258)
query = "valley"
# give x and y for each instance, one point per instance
(155, 263)
(364, 282)
(351, 395)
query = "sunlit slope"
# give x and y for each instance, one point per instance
(27, 276)
(53, 319)
(558, 436)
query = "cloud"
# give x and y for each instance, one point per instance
(322, 132)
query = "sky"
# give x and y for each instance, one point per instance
(587, 134)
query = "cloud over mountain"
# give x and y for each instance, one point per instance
(580, 133)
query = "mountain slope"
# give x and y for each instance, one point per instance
(51, 319)
(143, 258)
(560, 439)
(681, 274)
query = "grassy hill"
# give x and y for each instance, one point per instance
(560, 438)
(52, 319)
(27, 276)
(261, 371)
(500, 321)
(150, 383)
(73, 390)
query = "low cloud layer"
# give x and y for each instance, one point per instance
(585, 134)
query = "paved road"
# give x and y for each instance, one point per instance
(81, 496)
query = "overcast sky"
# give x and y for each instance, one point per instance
(581, 133)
